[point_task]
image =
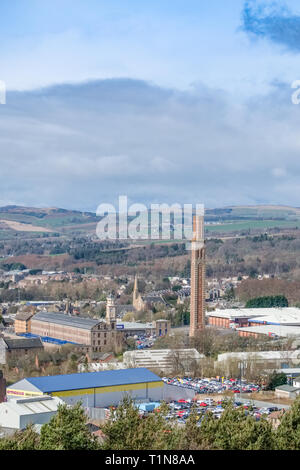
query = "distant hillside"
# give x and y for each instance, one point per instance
(18, 221)
(48, 220)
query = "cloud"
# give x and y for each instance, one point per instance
(273, 21)
(77, 146)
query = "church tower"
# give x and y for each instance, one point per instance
(135, 289)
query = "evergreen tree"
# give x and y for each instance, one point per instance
(236, 431)
(127, 430)
(21, 440)
(67, 430)
(288, 432)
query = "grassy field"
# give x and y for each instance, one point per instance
(252, 225)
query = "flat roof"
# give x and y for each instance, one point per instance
(275, 314)
(277, 330)
(129, 325)
(64, 319)
(108, 378)
(259, 354)
(32, 406)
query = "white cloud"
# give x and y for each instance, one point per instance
(79, 146)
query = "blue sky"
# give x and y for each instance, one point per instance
(172, 43)
(204, 83)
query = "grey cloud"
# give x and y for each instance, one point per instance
(77, 146)
(272, 21)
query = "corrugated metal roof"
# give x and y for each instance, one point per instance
(92, 380)
(62, 319)
(32, 407)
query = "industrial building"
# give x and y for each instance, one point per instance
(97, 335)
(94, 389)
(274, 322)
(164, 360)
(270, 359)
(17, 413)
(158, 328)
(271, 330)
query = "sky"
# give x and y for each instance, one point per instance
(180, 101)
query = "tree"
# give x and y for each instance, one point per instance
(67, 430)
(21, 440)
(236, 431)
(275, 380)
(268, 302)
(288, 431)
(127, 430)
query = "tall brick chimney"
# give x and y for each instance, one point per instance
(197, 309)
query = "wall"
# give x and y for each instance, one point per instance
(8, 419)
(38, 418)
(22, 326)
(2, 351)
(2, 387)
(220, 322)
(109, 397)
(173, 392)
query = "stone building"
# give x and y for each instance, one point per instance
(22, 322)
(19, 347)
(97, 335)
(145, 302)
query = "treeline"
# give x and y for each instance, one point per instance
(250, 256)
(268, 302)
(57, 291)
(253, 288)
(127, 430)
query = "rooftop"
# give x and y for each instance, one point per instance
(108, 378)
(287, 388)
(278, 315)
(24, 316)
(283, 331)
(23, 343)
(30, 406)
(284, 355)
(69, 320)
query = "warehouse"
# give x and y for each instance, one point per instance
(18, 413)
(95, 389)
(164, 360)
(245, 317)
(273, 331)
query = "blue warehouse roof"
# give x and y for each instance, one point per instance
(84, 380)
